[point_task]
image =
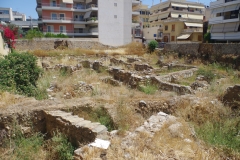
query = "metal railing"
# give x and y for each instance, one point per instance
(66, 31)
(63, 5)
(57, 18)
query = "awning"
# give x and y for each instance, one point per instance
(217, 35)
(229, 27)
(153, 18)
(79, 26)
(231, 8)
(184, 36)
(217, 28)
(163, 5)
(195, 6)
(179, 5)
(88, 1)
(153, 8)
(193, 24)
(67, 1)
(87, 14)
(218, 10)
(161, 16)
(192, 16)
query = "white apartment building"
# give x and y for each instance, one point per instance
(108, 20)
(225, 20)
(7, 15)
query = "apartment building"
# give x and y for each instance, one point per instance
(16, 18)
(110, 20)
(144, 15)
(176, 20)
(7, 15)
(225, 20)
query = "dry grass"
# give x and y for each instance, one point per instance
(135, 48)
(7, 99)
(163, 145)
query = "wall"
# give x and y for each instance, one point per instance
(148, 33)
(48, 44)
(218, 52)
(115, 31)
(3, 51)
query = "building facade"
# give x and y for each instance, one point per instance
(110, 20)
(176, 20)
(16, 18)
(225, 20)
(7, 15)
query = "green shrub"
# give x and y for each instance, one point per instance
(60, 147)
(52, 35)
(207, 37)
(34, 33)
(19, 72)
(152, 45)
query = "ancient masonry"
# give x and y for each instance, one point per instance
(77, 129)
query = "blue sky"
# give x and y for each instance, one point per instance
(28, 6)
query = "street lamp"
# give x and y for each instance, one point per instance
(31, 22)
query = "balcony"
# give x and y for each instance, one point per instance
(54, 6)
(136, 13)
(225, 19)
(221, 3)
(191, 30)
(135, 2)
(71, 32)
(84, 8)
(57, 19)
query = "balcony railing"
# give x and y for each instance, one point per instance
(57, 18)
(191, 30)
(71, 19)
(63, 5)
(69, 32)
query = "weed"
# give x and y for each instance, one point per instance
(207, 73)
(59, 147)
(224, 133)
(148, 89)
(21, 147)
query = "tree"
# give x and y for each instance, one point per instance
(152, 45)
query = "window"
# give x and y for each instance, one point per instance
(115, 16)
(54, 16)
(172, 38)
(78, 30)
(166, 28)
(50, 29)
(4, 12)
(239, 28)
(173, 27)
(115, 4)
(4, 19)
(62, 16)
(62, 29)
(53, 3)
